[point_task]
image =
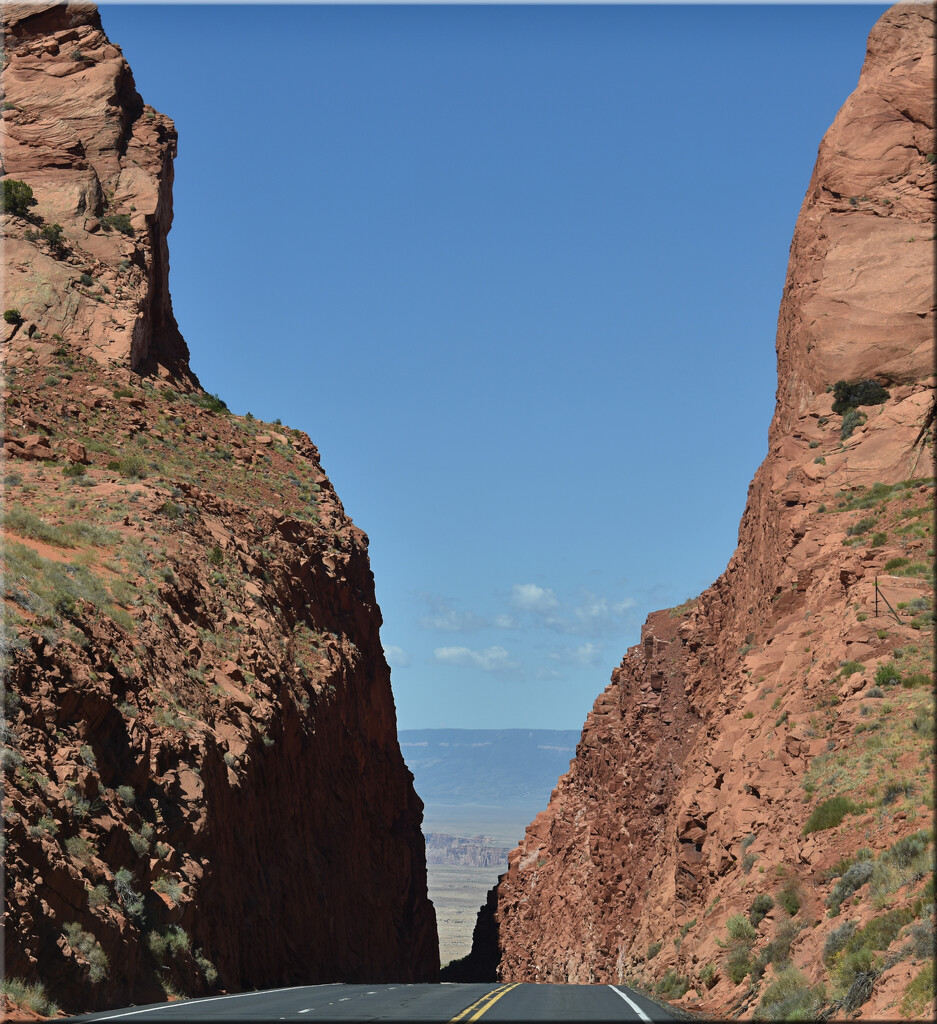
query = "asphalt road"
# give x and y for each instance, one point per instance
(447, 1003)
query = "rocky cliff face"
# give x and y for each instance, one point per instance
(714, 771)
(203, 786)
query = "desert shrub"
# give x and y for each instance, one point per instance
(87, 280)
(921, 939)
(117, 222)
(789, 997)
(88, 946)
(761, 904)
(851, 420)
(896, 563)
(127, 793)
(74, 469)
(140, 844)
(738, 963)
(132, 466)
(921, 990)
(169, 886)
(849, 668)
(858, 954)
(216, 555)
(79, 848)
(13, 316)
(855, 877)
(209, 973)
(878, 539)
(740, 928)
(98, 896)
(132, 900)
(862, 392)
(170, 943)
(16, 197)
(863, 526)
(672, 985)
(830, 813)
(54, 234)
(874, 691)
(915, 679)
(789, 896)
(708, 976)
(748, 862)
(210, 402)
(887, 674)
(33, 997)
(837, 939)
(653, 950)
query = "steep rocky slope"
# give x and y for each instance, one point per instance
(729, 824)
(203, 786)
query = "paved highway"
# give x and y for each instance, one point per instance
(448, 1003)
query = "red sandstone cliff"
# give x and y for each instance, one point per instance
(743, 712)
(203, 786)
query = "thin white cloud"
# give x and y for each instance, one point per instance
(506, 622)
(585, 654)
(491, 659)
(532, 598)
(396, 657)
(443, 618)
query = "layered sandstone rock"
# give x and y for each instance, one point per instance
(203, 786)
(738, 714)
(100, 164)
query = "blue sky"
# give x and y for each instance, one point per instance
(516, 270)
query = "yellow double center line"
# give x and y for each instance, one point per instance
(484, 1004)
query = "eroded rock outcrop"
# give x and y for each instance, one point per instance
(789, 682)
(203, 786)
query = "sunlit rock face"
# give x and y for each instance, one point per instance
(703, 759)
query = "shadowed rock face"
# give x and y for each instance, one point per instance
(203, 786)
(733, 717)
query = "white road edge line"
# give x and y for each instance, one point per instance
(206, 999)
(634, 1006)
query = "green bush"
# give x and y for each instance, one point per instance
(921, 990)
(98, 896)
(738, 963)
(79, 848)
(851, 420)
(216, 555)
(887, 674)
(789, 997)
(896, 563)
(16, 197)
(672, 985)
(789, 896)
(836, 940)
(761, 904)
(33, 997)
(118, 222)
(740, 928)
(849, 668)
(830, 813)
(132, 467)
(863, 526)
(127, 794)
(54, 234)
(862, 392)
(13, 316)
(709, 976)
(854, 878)
(210, 402)
(653, 950)
(858, 954)
(88, 946)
